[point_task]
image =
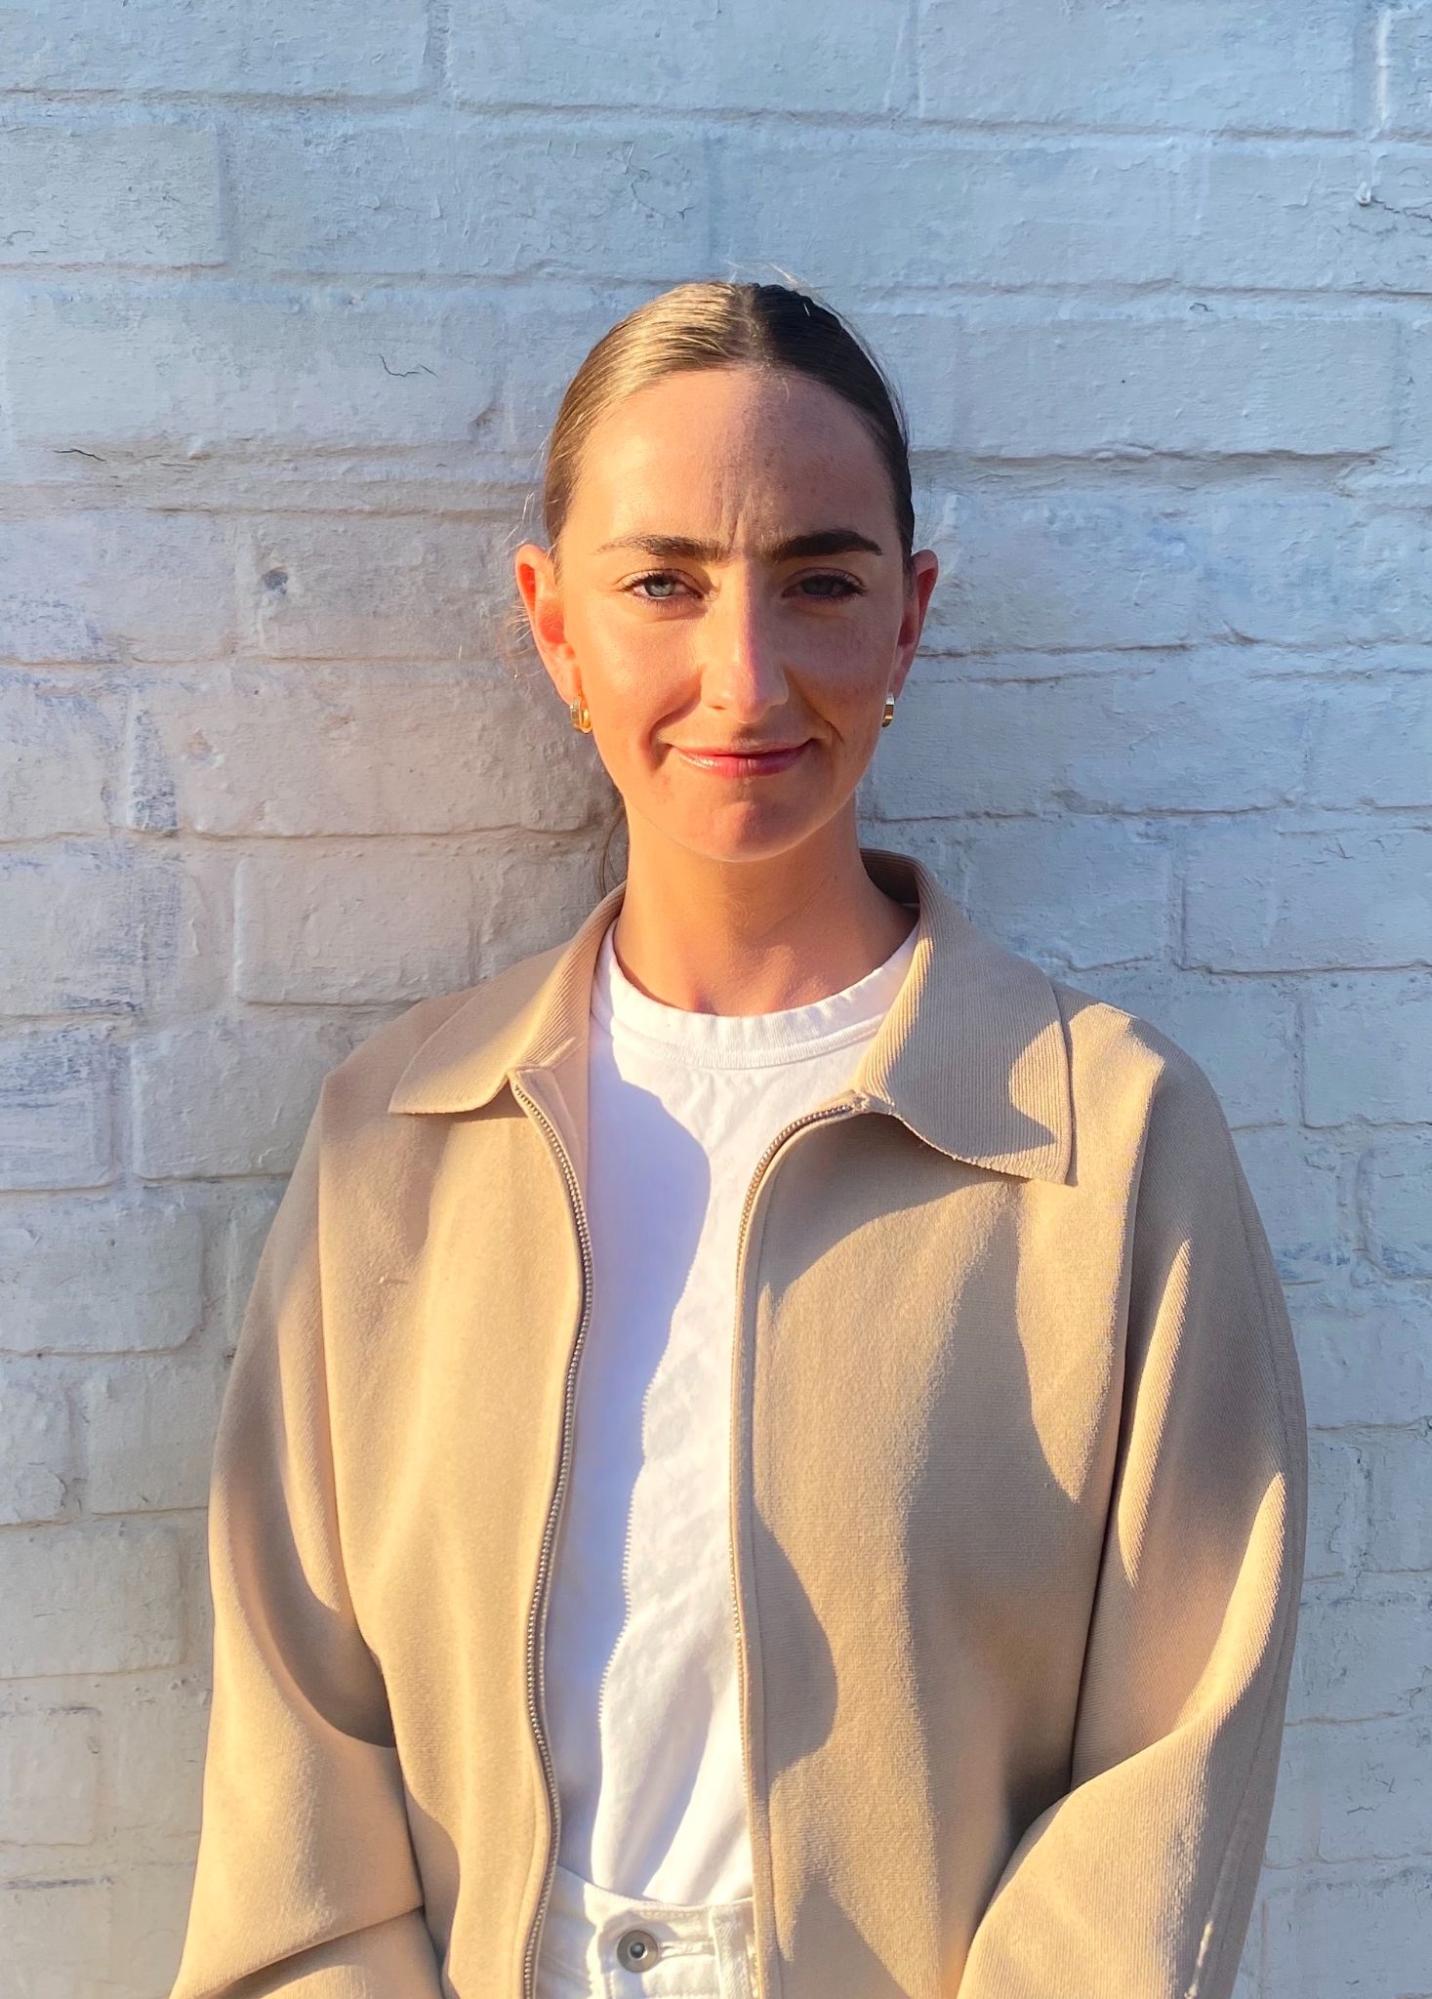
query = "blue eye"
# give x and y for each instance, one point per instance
(655, 576)
(845, 586)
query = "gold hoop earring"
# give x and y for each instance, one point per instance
(581, 718)
(889, 716)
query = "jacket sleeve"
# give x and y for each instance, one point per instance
(305, 1882)
(1140, 1880)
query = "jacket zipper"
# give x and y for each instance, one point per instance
(535, 1701)
(843, 1109)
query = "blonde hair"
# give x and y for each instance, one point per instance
(721, 323)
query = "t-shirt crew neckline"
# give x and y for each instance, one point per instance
(744, 1040)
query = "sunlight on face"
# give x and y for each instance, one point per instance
(705, 628)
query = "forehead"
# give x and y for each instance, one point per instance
(725, 447)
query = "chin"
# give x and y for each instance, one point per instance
(765, 837)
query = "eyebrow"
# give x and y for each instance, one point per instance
(822, 541)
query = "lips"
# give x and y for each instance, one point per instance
(756, 750)
(744, 763)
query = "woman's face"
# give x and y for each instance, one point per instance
(692, 617)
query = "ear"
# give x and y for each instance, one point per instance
(542, 599)
(925, 573)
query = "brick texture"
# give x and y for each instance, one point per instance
(287, 301)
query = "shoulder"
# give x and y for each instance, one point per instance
(1124, 1064)
(364, 1079)
(1152, 1136)
(356, 1090)
(1156, 1137)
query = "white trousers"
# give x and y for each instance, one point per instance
(599, 1945)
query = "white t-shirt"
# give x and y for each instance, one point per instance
(641, 1674)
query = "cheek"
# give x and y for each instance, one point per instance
(639, 690)
(630, 670)
(851, 683)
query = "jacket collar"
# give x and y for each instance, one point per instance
(971, 1055)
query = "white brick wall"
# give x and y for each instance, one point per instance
(287, 297)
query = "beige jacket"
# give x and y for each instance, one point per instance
(1018, 1505)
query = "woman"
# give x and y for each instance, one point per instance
(765, 1455)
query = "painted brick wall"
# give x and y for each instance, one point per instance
(287, 297)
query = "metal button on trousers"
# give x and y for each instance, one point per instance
(595, 1942)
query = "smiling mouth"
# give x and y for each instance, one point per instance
(744, 763)
(740, 750)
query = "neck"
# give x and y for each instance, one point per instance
(753, 936)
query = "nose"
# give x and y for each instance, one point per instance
(743, 669)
